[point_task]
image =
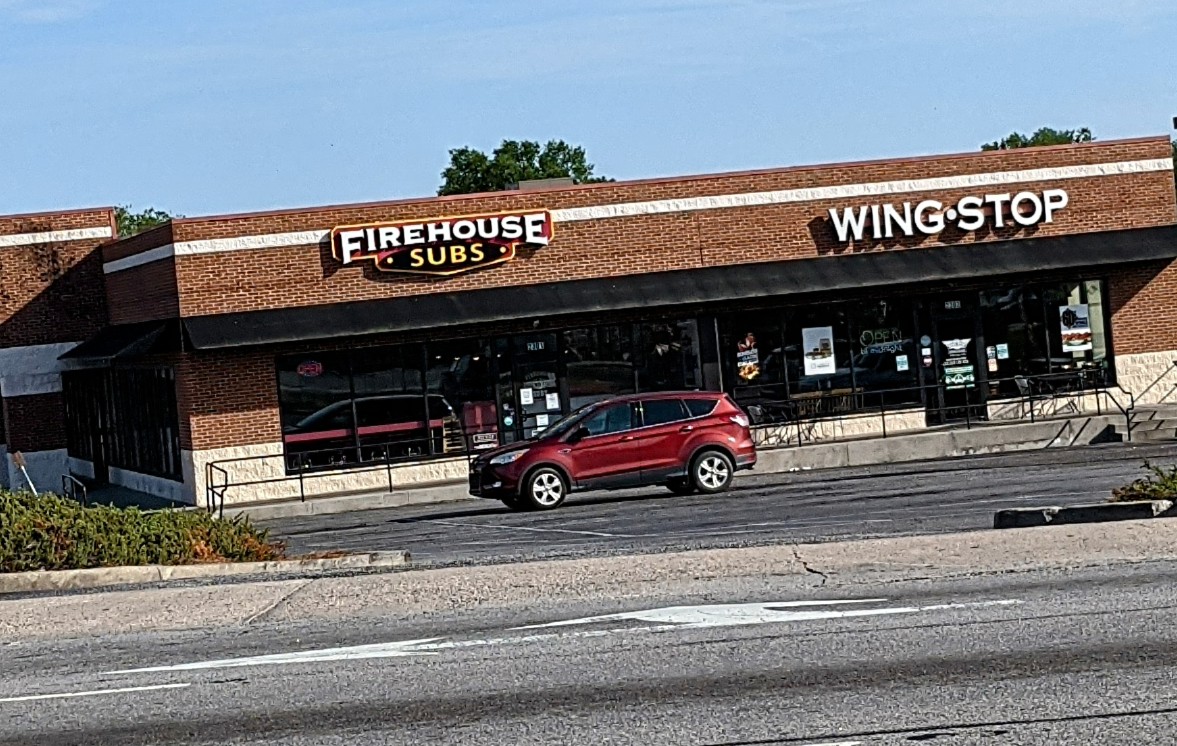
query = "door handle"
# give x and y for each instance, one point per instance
(686, 429)
(624, 438)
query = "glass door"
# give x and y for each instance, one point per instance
(534, 399)
(958, 360)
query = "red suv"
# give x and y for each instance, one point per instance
(690, 441)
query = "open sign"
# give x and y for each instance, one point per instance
(310, 369)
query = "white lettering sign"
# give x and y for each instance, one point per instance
(930, 217)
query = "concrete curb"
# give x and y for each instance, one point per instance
(98, 577)
(425, 495)
(1093, 513)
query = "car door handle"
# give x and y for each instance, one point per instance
(686, 429)
(624, 438)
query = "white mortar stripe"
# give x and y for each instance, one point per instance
(691, 204)
(95, 693)
(74, 234)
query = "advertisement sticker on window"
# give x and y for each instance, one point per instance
(818, 348)
(1076, 328)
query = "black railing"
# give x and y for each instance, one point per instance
(72, 487)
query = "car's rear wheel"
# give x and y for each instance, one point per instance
(712, 472)
(680, 486)
(544, 489)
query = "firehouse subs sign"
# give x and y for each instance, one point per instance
(442, 247)
(931, 217)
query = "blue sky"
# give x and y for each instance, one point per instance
(211, 106)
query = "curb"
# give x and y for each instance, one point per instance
(71, 580)
(425, 495)
(1093, 513)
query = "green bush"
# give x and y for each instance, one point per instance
(1160, 484)
(47, 532)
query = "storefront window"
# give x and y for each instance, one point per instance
(884, 359)
(1075, 324)
(315, 398)
(462, 397)
(753, 363)
(818, 355)
(389, 402)
(598, 363)
(669, 356)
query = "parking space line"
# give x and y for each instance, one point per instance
(526, 528)
(93, 693)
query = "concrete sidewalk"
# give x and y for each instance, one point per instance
(925, 445)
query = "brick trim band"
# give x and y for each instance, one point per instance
(74, 234)
(715, 202)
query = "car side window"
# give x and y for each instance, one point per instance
(614, 419)
(662, 412)
(701, 407)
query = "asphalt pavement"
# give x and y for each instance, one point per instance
(802, 507)
(1048, 657)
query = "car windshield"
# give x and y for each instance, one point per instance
(567, 422)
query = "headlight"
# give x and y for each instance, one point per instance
(507, 458)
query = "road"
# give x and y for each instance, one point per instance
(1075, 657)
(819, 506)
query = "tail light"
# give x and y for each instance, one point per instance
(740, 419)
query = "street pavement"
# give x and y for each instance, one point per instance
(804, 507)
(1042, 657)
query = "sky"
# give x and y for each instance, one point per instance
(202, 107)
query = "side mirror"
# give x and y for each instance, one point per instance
(579, 434)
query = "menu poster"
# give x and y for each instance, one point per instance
(748, 357)
(552, 401)
(817, 345)
(526, 397)
(1076, 327)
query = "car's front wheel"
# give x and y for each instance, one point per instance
(544, 489)
(712, 472)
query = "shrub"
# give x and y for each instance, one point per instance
(48, 532)
(1159, 484)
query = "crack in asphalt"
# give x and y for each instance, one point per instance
(808, 569)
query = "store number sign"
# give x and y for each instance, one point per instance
(441, 247)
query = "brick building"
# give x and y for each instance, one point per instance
(247, 349)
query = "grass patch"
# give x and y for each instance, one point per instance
(1158, 484)
(48, 532)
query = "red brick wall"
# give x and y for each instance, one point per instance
(52, 292)
(35, 423)
(273, 278)
(1144, 308)
(147, 292)
(231, 399)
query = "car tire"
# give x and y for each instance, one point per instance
(681, 486)
(543, 489)
(712, 471)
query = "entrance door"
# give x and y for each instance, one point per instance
(533, 399)
(958, 360)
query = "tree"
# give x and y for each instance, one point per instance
(1044, 136)
(130, 223)
(514, 161)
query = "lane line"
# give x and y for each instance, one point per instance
(94, 693)
(527, 528)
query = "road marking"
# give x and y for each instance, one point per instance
(526, 528)
(94, 693)
(731, 615)
(666, 620)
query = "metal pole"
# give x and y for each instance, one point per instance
(388, 466)
(301, 485)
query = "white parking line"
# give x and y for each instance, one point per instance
(526, 528)
(93, 693)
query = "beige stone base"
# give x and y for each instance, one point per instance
(1151, 377)
(265, 463)
(841, 428)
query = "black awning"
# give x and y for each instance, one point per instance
(119, 341)
(694, 286)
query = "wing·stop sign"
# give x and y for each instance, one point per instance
(442, 247)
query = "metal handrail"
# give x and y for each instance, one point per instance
(1158, 380)
(70, 486)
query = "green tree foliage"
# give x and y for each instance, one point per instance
(1044, 136)
(514, 161)
(130, 223)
